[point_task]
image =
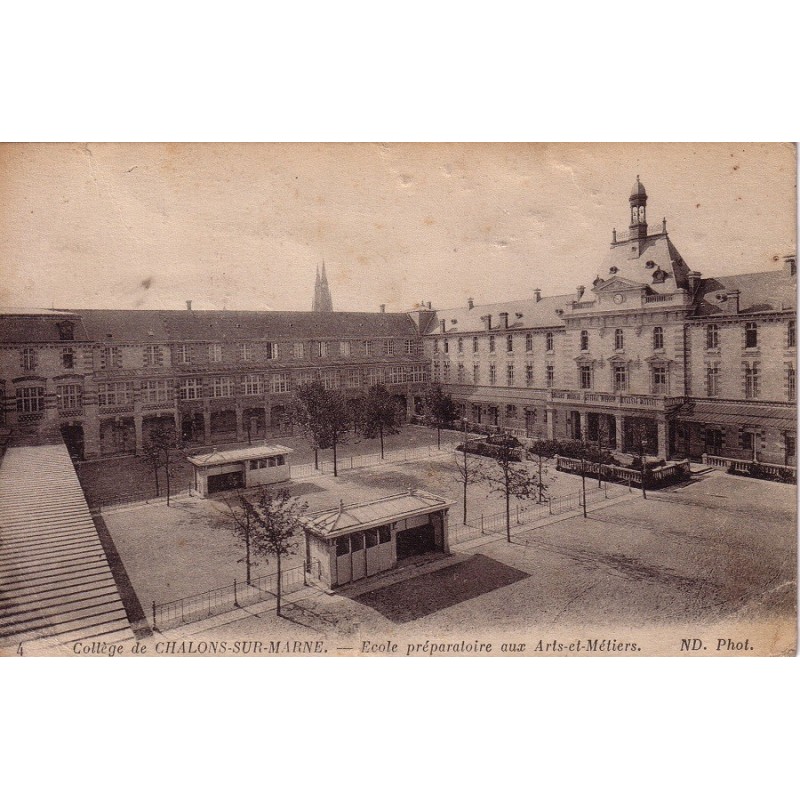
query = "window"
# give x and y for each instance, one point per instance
(330, 379)
(298, 350)
(549, 341)
(372, 538)
(619, 339)
(446, 372)
(271, 349)
(491, 344)
(529, 374)
(253, 384)
(68, 358)
(111, 358)
(157, 391)
(30, 399)
(343, 546)
(435, 346)
(550, 375)
(445, 346)
(153, 356)
(353, 378)
(620, 378)
(476, 374)
(417, 373)
(215, 352)
(410, 347)
(791, 445)
(751, 335)
(375, 375)
(279, 383)
(712, 379)
(528, 342)
(189, 389)
(221, 387)
(658, 338)
(460, 345)
(511, 412)
(659, 380)
(183, 354)
(68, 396)
(344, 349)
(29, 359)
(114, 394)
(385, 534)
(388, 347)
(369, 348)
(509, 374)
(474, 344)
(66, 331)
(791, 336)
(245, 351)
(492, 374)
(584, 340)
(585, 374)
(791, 383)
(712, 337)
(752, 381)
(322, 350)
(461, 373)
(509, 343)
(395, 375)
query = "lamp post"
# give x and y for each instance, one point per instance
(466, 474)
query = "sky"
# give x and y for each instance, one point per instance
(245, 226)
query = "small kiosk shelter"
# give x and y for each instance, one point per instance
(351, 542)
(239, 469)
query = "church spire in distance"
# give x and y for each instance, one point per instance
(322, 294)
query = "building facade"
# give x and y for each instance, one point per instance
(653, 356)
(105, 379)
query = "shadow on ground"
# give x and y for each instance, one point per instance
(426, 594)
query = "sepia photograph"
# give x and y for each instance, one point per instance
(398, 400)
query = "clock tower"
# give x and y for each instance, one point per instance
(638, 201)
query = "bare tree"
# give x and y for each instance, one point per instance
(276, 529)
(159, 450)
(380, 414)
(543, 449)
(440, 409)
(508, 476)
(468, 469)
(642, 440)
(245, 520)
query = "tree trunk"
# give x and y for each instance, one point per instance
(541, 498)
(508, 512)
(465, 497)
(438, 437)
(155, 474)
(316, 460)
(335, 468)
(247, 549)
(278, 592)
(166, 470)
(583, 482)
(380, 428)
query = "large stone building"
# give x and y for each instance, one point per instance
(654, 352)
(104, 379)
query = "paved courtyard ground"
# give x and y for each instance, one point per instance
(170, 552)
(718, 551)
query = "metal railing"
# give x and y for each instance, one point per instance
(495, 523)
(226, 598)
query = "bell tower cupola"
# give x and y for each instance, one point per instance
(638, 200)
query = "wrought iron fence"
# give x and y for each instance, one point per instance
(226, 598)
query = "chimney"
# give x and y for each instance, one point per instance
(537, 293)
(470, 303)
(429, 305)
(383, 308)
(504, 319)
(732, 306)
(188, 305)
(693, 279)
(487, 321)
(579, 293)
(790, 265)
(441, 326)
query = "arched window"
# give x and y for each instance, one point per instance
(619, 339)
(584, 340)
(658, 338)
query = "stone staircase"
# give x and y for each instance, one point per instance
(55, 580)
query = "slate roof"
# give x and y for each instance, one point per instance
(359, 516)
(201, 326)
(758, 291)
(522, 314)
(656, 248)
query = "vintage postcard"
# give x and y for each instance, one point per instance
(398, 400)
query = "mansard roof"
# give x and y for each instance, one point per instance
(38, 325)
(758, 292)
(640, 260)
(522, 314)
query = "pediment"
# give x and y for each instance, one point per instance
(618, 283)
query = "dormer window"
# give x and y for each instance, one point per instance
(650, 264)
(66, 331)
